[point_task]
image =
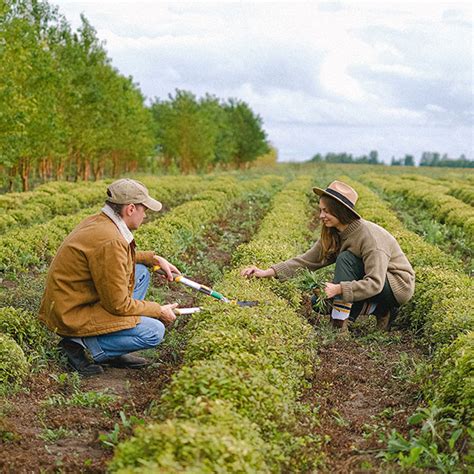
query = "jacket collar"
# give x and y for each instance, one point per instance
(352, 227)
(118, 221)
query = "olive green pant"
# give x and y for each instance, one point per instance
(350, 268)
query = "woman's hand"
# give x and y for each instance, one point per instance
(166, 266)
(332, 289)
(254, 271)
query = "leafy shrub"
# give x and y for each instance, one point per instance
(13, 364)
(24, 328)
(454, 386)
(216, 440)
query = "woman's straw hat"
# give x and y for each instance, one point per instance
(341, 192)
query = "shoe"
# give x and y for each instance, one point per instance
(128, 361)
(77, 358)
(393, 315)
(342, 325)
(383, 322)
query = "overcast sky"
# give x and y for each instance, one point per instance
(396, 77)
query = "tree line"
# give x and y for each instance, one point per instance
(67, 113)
(427, 159)
(372, 158)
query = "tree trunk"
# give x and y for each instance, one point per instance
(11, 178)
(25, 173)
(86, 169)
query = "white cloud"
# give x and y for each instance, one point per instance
(302, 65)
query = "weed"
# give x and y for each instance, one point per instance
(67, 381)
(437, 443)
(121, 430)
(339, 419)
(52, 435)
(81, 399)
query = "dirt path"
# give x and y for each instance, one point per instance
(362, 391)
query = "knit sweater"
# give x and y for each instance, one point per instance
(380, 253)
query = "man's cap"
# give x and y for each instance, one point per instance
(129, 191)
(341, 192)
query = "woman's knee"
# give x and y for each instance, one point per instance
(346, 257)
(348, 267)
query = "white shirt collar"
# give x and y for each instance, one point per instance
(119, 222)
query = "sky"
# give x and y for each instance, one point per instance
(329, 76)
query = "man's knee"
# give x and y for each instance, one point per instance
(152, 332)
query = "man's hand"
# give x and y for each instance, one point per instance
(254, 271)
(167, 315)
(166, 266)
(332, 289)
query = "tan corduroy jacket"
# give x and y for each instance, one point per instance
(90, 282)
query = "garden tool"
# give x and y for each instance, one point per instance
(203, 289)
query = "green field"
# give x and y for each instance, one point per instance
(264, 389)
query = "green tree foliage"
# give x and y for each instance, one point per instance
(247, 131)
(64, 110)
(195, 135)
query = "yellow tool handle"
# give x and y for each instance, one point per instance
(157, 268)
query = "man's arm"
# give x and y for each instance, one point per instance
(108, 266)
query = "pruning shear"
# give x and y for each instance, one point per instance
(203, 289)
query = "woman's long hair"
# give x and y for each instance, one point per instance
(330, 239)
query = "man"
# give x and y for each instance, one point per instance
(96, 285)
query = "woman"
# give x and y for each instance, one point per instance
(370, 265)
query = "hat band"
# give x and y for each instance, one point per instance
(340, 196)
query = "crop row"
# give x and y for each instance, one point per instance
(443, 207)
(64, 198)
(171, 235)
(22, 248)
(456, 187)
(441, 308)
(29, 334)
(233, 406)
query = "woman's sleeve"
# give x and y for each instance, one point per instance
(375, 267)
(312, 260)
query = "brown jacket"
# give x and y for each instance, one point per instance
(90, 282)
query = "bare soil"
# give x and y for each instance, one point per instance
(361, 391)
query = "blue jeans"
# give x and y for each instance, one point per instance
(148, 333)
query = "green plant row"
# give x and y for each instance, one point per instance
(22, 248)
(441, 308)
(456, 187)
(22, 209)
(64, 198)
(171, 235)
(464, 193)
(31, 336)
(443, 207)
(22, 339)
(233, 406)
(14, 366)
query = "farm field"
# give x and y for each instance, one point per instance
(271, 388)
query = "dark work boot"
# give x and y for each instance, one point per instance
(393, 315)
(128, 361)
(78, 359)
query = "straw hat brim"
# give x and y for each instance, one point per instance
(322, 192)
